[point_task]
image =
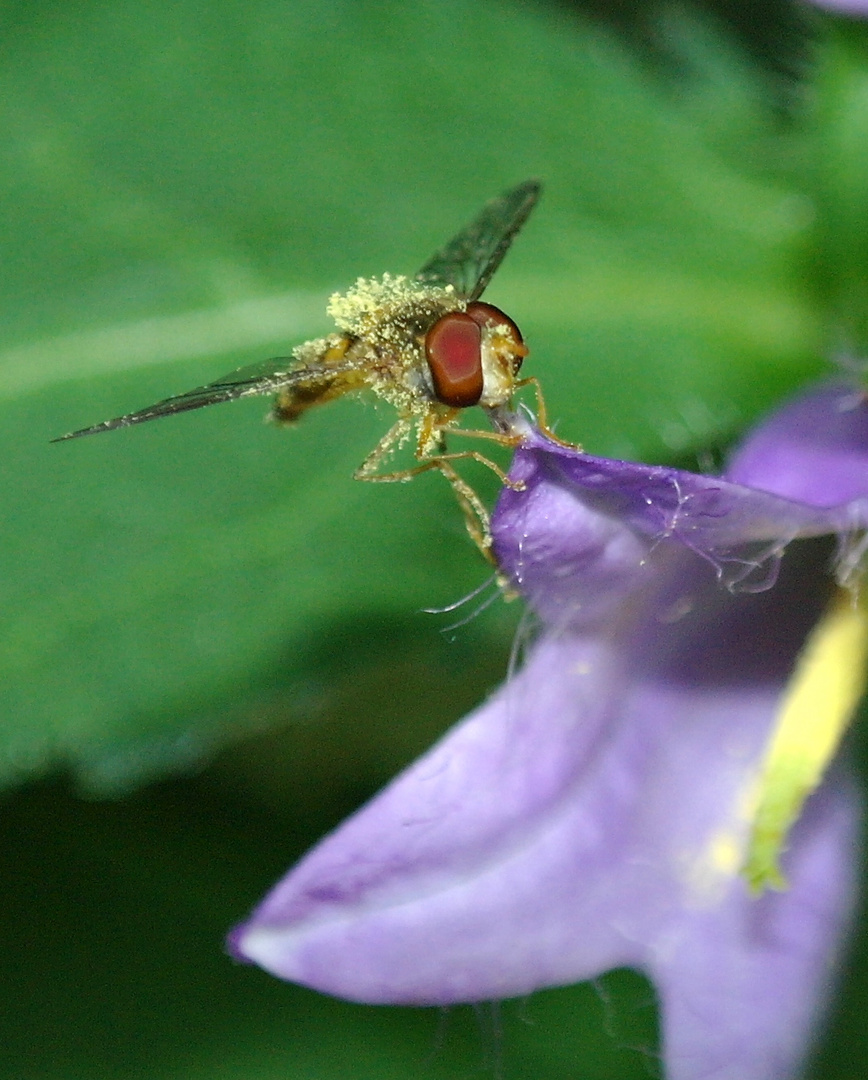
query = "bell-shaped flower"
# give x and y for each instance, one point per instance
(653, 787)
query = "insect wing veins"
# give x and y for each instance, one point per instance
(470, 259)
(266, 377)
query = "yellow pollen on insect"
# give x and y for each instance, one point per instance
(374, 303)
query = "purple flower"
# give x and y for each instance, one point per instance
(626, 799)
(847, 7)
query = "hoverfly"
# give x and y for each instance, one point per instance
(426, 345)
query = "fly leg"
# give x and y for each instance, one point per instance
(431, 443)
(494, 436)
(396, 435)
(476, 516)
(542, 413)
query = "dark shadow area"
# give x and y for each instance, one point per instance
(774, 35)
(112, 963)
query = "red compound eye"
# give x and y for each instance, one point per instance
(513, 347)
(489, 315)
(453, 347)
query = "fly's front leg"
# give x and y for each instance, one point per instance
(503, 440)
(431, 443)
(474, 455)
(542, 413)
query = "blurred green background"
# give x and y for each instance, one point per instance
(213, 641)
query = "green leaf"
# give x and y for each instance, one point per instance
(182, 186)
(841, 152)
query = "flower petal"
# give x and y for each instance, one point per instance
(847, 7)
(450, 885)
(743, 984)
(591, 815)
(813, 450)
(597, 812)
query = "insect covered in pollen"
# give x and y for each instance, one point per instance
(427, 345)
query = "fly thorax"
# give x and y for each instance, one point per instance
(389, 317)
(391, 311)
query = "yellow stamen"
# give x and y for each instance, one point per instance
(816, 709)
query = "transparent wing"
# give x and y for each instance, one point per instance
(470, 259)
(266, 377)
